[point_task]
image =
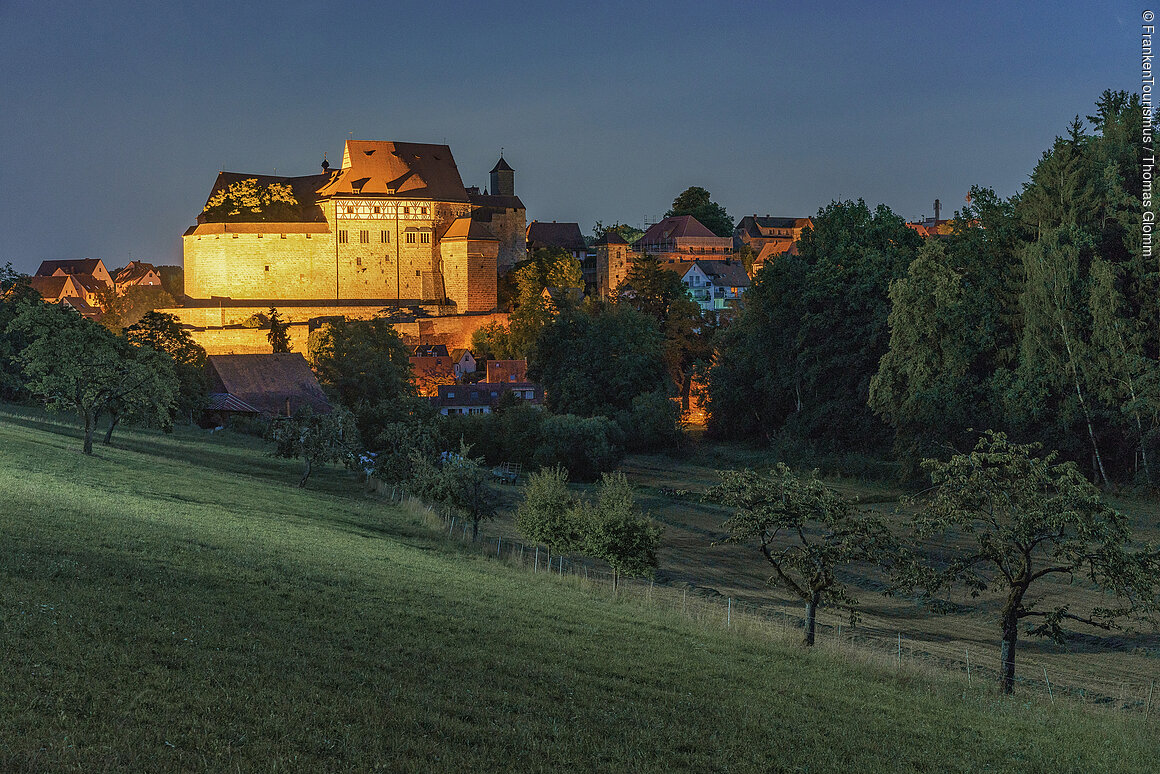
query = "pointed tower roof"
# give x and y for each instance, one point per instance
(502, 166)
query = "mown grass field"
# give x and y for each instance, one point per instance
(175, 603)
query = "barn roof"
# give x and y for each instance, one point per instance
(268, 381)
(409, 170)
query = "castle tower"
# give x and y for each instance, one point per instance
(612, 260)
(503, 179)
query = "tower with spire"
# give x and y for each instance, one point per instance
(503, 178)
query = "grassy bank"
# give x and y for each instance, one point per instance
(176, 604)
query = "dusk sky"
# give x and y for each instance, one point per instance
(118, 116)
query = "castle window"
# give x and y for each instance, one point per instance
(282, 235)
(424, 210)
(406, 210)
(418, 273)
(378, 210)
(385, 237)
(425, 237)
(267, 268)
(410, 237)
(235, 236)
(259, 236)
(342, 237)
(364, 237)
(358, 260)
(350, 210)
(308, 236)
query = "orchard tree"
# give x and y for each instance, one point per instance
(547, 513)
(153, 400)
(1029, 519)
(805, 530)
(73, 363)
(316, 439)
(615, 530)
(464, 487)
(279, 335)
(163, 333)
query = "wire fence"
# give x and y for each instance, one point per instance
(785, 623)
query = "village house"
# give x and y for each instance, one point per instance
(681, 239)
(136, 273)
(90, 267)
(716, 285)
(483, 397)
(769, 237)
(507, 371)
(267, 385)
(564, 236)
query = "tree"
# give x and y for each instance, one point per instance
(402, 447)
(805, 530)
(16, 295)
(316, 439)
(812, 330)
(152, 401)
(279, 335)
(164, 333)
(696, 201)
(74, 363)
(1027, 519)
(586, 446)
(463, 486)
(365, 364)
(547, 512)
(596, 363)
(119, 310)
(626, 232)
(616, 531)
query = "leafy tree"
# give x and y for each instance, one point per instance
(463, 486)
(696, 201)
(119, 310)
(279, 335)
(153, 400)
(365, 364)
(402, 447)
(616, 531)
(163, 332)
(1027, 519)
(805, 530)
(316, 439)
(248, 200)
(628, 233)
(596, 363)
(16, 295)
(813, 328)
(586, 446)
(74, 363)
(547, 512)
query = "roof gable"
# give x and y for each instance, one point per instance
(405, 169)
(563, 235)
(270, 382)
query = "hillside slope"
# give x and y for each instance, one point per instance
(175, 603)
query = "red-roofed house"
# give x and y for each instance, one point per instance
(682, 239)
(507, 371)
(136, 273)
(769, 236)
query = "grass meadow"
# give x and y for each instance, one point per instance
(175, 603)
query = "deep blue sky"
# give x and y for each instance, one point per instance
(115, 117)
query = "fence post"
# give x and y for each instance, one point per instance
(1050, 695)
(729, 614)
(536, 566)
(900, 650)
(968, 666)
(498, 543)
(452, 530)
(1148, 709)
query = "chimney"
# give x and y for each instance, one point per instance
(937, 207)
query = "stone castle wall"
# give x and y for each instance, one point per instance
(452, 331)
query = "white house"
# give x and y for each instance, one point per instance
(716, 285)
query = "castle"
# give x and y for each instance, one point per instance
(393, 226)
